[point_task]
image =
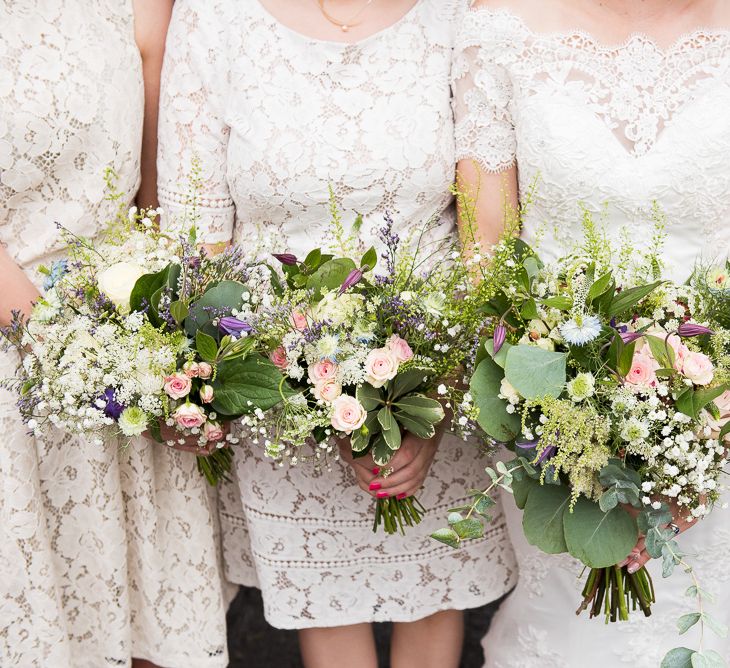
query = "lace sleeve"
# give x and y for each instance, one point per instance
(482, 96)
(192, 126)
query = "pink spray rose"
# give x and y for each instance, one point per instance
(189, 416)
(327, 390)
(206, 394)
(191, 369)
(177, 385)
(348, 414)
(400, 349)
(206, 370)
(723, 404)
(298, 320)
(322, 370)
(212, 431)
(278, 357)
(698, 368)
(643, 370)
(381, 366)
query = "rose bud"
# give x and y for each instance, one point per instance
(191, 369)
(206, 394)
(205, 370)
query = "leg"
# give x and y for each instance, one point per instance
(433, 642)
(351, 646)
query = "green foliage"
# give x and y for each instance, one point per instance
(542, 520)
(223, 297)
(535, 373)
(493, 415)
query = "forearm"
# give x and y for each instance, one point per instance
(18, 293)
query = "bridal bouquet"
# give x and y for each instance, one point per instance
(132, 335)
(366, 355)
(613, 388)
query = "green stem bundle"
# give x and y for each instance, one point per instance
(216, 466)
(395, 514)
(612, 590)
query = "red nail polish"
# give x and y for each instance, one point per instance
(383, 495)
(376, 470)
(375, 486)
(401, 496)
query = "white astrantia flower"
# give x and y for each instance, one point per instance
(581, 387)
(132, 421)
(581, 329)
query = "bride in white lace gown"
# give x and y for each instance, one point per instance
(568, 96)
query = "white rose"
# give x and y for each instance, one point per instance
(117, 282)
(508, 392)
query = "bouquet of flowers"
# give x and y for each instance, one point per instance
(612, 386)
(135, 334)
(367, 355)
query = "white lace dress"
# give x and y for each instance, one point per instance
(275, 118)
(104, 555)
(613, 129)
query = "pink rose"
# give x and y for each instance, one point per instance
(278, 357)
(298, 320)
(381, 366)
(191, 369)
(723, 404)
(322, 370)
(206, 370)
(206, 394)
(348, 414)
(327, 390)
(177, 385)
(698, 368)
(212, 431)
(643, 368)
(400, 349)
(189, 416)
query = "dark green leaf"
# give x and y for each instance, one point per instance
(542, 520)
(493, 415)
(224, 297)
(625, 300)
(206, 346)
(421, 406)
(691, 401)
(415, 425)
(369, 396)
(406, 381)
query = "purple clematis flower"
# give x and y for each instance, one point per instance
(234, 326)
(500, 334)
(113, 408)
(689, 329)
(286, 258)
(353, 278)
(630, 337)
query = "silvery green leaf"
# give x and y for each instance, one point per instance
(491, 473)
(717, 627)
(468, 529)
(695, 591)
(542, 520)
(484, 503)
(679, 657)
(448, 536)
(454, 518)
(669, 563)
(501, 467)
(535, 373)
(493, 415)
(608, 500)
(707, 659)
(686, 622)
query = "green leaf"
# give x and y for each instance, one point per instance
(448, 536)
(206, 346)
(542, 520)
(625, 300)
(686, 622)
(535, 373)
(529, 310)
(422, 407)
(501, 356)
(717, 627)
(245, 383)
(596, 538)
(179, 310)
(370, 259)
(679, 657)
(313, 259)
(493, 416)
(560, 303)
(708, 659)
(369, 396)
(331, 275)
(691, 401)
(521, 490)
(155, 431)
(608, 500)
(145, 287)
(724, 431)
(382, 454)
(468, 529)
(360, 439)
(599, 287)
(224, 297)
(391, 430)
(407, 381)
(661, 351)
(415, 425)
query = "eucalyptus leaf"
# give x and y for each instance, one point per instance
(679, 657)
(224, 297)
(686, 622)
(717, 627)
(521, 490)
(535, 373)
(501, 355)
(468, 529)
(708, 659)
(448, 536)
(493, 416)
(542, 520)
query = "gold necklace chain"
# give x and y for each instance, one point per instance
(346, 25)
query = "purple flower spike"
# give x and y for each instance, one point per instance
(630, 337)
(500, 334)
(286, 258)
(113, 408)
(354, 277)
(689, 329)
(234, 326)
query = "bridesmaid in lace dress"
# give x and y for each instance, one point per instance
(568, 95)
(280, 99)
(104, 556)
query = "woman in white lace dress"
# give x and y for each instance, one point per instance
(104, 556)
(570, 97)
(279, 103)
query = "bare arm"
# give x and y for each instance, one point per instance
(151, 19)
(18, 293)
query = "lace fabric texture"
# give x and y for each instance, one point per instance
(276, 119)
(104, 554)
(611, 129)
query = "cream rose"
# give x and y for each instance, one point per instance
(177, 385)
(206, 394)
(117, 282)
(206, 370)
(400, 349)
(381, 366)
(322, 370)
(327, 390)
(189, 416)
(348, 414)
(698, 368)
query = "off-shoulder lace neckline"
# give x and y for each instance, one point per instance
(333, 42)
(678, 45)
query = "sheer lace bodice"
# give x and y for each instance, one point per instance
(613, 129)
(621, 126)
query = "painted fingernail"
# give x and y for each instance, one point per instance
(624, 563)
(376, 470)
(375, 486)
(633, 568)
(401, 496)
(383, 495)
